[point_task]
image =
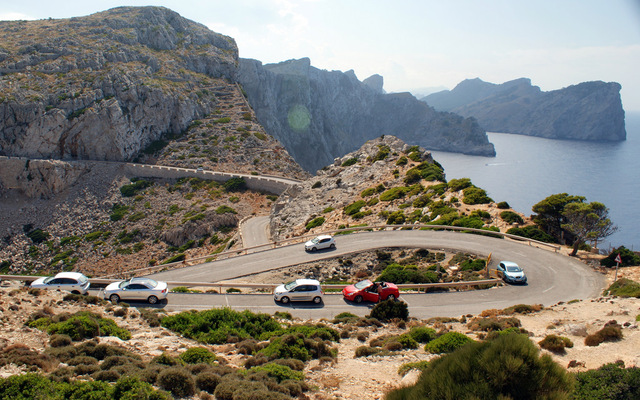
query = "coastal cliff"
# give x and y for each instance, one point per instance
(319, 115)
(586, 111)
(106, 85)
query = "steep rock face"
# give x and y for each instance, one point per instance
(587, 111)
(106, 85)
(319, 115)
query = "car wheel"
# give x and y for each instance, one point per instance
(358, 299)
(317, 300)
(152, 300)
(313, 249)
(75, 292)
(284, 300)
(333, 246)
(391, 297)
(114, 298)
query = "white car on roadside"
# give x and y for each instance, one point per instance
(299, 290)
(320, 242)
(73, 282)
(144, 289)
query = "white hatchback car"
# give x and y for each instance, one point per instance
(320, 242)
(299, 290)
(73, 282)
(510, 272)
(144, 289)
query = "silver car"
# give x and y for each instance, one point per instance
(510, 272)
(299, 290)
(73, 282)
(144, 289)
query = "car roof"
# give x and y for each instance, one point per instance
(509, 263)
(74, 275)
(324, 237)
(307, 282)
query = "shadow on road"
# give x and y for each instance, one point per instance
(300, 304)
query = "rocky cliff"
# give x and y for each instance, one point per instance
(587, 111)
(319, 115)
(106, 85)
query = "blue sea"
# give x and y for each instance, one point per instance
(528, 169)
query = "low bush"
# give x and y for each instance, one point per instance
(393, 193)
(510, 217)
(503, 205)
(611, 332)
(399, 274)
(419, 365)
(447, 343)
(349, 162)
(390, 309)
(459, 184)
(314, 223)
(627, 256)
(522, 309)
(57, 340)
(365, 351)
(178, 381)
(422, 334)
(207, 381)
(532, 232)
(610, 381)
(279, 372)
(493, 324)
(235, 185)
(475, 195)
(354, 207)
(81, 325)
(197, 355)
(555, 344)
(624, 287)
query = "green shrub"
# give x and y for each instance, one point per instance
(118, 211)
(349, 162)
(402, 161)
(235, 184)
(624, 287)
(178, 381)
(328, 210)
(390, 309)
(555, 344)
(475, 195)
(207, 381)
(510, 217)
(383, 152)
(503, 205)
(447, 343)
(473, 265)
(508, 367)
(354, 207)
(225, 210)
(279, 372)
(314, 223)
(532, 232)
(611, 332)
(59, 340)
(365, 351)
(419, 365)
(422, 334)
(135, 187)
(610, 381)
(38, 235)
(459, 184)
(399, 274)
(197, 355)
(176, 258)
(368, 192)
(81, 325)
(393, 194)
(488, 324)
(216, 326)
(627, 256)
(396, 218)
(295, 346)
(412, 176)
(316, 185)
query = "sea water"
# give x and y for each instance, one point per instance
(528, 169)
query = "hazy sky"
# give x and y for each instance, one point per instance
(415, 44)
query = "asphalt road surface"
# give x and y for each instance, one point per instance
(552, 277)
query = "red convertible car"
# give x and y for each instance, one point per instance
(371, 291)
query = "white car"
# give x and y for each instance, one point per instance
(73, 282)
(136, 289)
(320, 242)
(299, 290)
(510, 272)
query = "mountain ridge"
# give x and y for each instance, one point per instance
(585, 111)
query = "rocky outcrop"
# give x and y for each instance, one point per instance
(107, 85)
(586, 111)
(319, 115)
(39, 178)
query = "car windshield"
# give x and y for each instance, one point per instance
(315, 240)
(513, 269)
(290, 285)
(363, 284)
(82, 279)
(48, 279)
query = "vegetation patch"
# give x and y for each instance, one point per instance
(78, 326)
(624, 287)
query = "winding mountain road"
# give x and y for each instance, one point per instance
(552, 277)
